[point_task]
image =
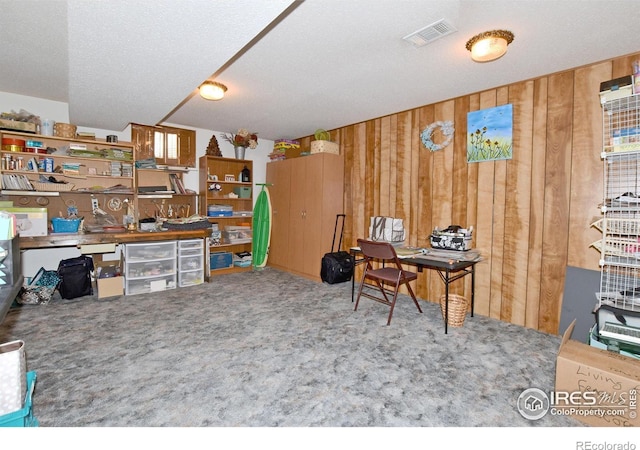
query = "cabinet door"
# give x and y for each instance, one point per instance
(296, 253)
(187, 148)
(142, 140)
(279, 176)
(313, 247)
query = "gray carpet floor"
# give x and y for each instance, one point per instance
(269, 349)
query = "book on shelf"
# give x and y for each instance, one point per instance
(177, 184)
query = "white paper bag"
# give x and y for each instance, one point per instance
(13, 377)
(387, 229)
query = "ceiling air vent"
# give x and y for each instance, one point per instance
(430, 33)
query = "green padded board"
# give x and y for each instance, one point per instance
(261, 228)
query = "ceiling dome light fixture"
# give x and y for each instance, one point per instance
(490, 45)
(211, 90)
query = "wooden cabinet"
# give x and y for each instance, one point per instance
(306, 195)
(167, 145)
(228, 202)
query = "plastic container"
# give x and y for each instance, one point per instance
(61, 225)
(23, 417)
(219, 211)
(220, 260)
(13, 145)
(242, 192)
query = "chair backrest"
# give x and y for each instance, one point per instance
(377, 250)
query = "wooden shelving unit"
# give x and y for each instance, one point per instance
(220, 177)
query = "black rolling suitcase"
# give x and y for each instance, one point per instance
(337, 267)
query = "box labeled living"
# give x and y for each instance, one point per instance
(597, 387)
(30, 221)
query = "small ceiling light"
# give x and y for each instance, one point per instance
(489, 45)
(212, 90)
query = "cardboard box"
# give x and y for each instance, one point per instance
(111, 286)
(30, 221)
(599, 384)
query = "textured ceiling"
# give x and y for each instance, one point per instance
(290, 67)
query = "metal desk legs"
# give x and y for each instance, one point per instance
(448, 279)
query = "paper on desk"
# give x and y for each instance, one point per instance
(451, 255)
(410, 252)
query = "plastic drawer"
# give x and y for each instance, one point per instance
(146, 252)
(142, 286)
(191, 262)
(191, 252)
(190, 278)
(150, 269)
(190, 244)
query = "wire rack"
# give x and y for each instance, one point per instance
(620, 222)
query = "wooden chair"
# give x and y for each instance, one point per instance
(391, 273)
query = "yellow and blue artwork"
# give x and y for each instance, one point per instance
(490, 134)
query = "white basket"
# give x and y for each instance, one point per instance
(325, 147)
(13, 376)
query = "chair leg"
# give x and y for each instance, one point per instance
(364, 274)
(414, 297)
(393, 305)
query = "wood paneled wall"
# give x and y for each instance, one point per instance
(531, 214)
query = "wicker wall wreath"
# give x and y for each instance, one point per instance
(447, 130)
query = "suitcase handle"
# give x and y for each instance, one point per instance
(335, 230)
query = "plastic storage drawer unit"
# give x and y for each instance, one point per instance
(150, 267)
(190, 262)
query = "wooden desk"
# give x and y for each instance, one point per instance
(78, 239)
(449, 271)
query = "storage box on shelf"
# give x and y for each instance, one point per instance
(56, 172)
(228, 202)
(150, 267)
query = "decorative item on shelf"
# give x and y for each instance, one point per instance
(241, 140)
(245, 175)
(213, 149)
(446, 128)
(65, 130)
(323, 143)
(215, 189)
